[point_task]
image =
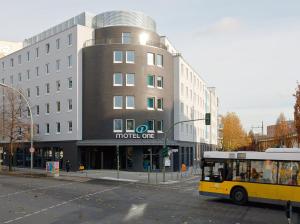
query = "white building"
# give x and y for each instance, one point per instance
(49, 70)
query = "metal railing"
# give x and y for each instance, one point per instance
(133, 41)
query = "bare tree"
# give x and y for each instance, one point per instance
(297, 112)
(15, 121)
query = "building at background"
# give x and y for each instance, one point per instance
(271, 140)
(93, 79)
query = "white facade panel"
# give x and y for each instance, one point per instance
(69, 58)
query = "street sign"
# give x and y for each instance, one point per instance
(167, 162)
(31, 150)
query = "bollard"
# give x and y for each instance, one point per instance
(156, 177)
(177, 174)
(148, 174)
(288, 212)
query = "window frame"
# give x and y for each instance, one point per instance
(114, 102)
(153, 102)
(126, 79)
(128, 130)
(127, 54)
(114, 57)
(114, 79)
(126, 100)
(114, 125)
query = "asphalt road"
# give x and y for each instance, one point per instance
(46, 200)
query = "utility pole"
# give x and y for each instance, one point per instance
(259, 127)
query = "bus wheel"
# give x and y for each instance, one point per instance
(239, 195)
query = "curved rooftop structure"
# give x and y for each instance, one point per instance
(110, 18)
(124, 18)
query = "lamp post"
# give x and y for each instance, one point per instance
(31, 118)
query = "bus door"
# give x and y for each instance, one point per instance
(214, 172)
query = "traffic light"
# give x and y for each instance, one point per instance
(207, 118)
(165, 152)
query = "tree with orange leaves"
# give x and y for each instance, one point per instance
(297, 112)
(234, 137)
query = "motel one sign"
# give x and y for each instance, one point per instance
(140, 133)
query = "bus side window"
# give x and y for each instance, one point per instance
(288, 173)
(240, 170)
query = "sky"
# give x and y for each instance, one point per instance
(249, 50)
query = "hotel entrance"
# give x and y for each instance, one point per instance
(98, 157)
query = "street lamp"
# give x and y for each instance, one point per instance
(31, 118)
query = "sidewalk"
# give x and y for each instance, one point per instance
(124, 176)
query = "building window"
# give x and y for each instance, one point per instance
(70, 105)
(28, 55)
(150, 125)
(47, 68)
(28, 74)
(126, 38)
(58, 106)
(57, 65)
(118, 102)
(47, 88)
(37, 52)
(160, 104)
(12, 62)
(37, 90)
(130, 125)
(70, 83)
(160, 126)
(159, 60)
(57, 127)
(37, 129)
(70, 61)
(150, 59)
(150, 103)
(3, 65)
(130, 79)
(37, 71)
(150, 81)
(182, 108)
(47, 48)
(70, 126)
(118, 125)
(118, 79)
(47, 108)
(37, 110)
(11, 80)
(130, 102)
(20, 77)
(47, 128)
(70, 39)
(28, 93)
(20, 59)
(57, 44)
(130, 57)
(118, 57)
(57, 86)
(160, 83)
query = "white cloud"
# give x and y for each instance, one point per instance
(224, 25)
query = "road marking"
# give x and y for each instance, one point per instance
(63, 203)
(34, 189)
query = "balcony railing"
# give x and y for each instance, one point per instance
(134, 41)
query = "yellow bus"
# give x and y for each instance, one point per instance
(272, 176)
